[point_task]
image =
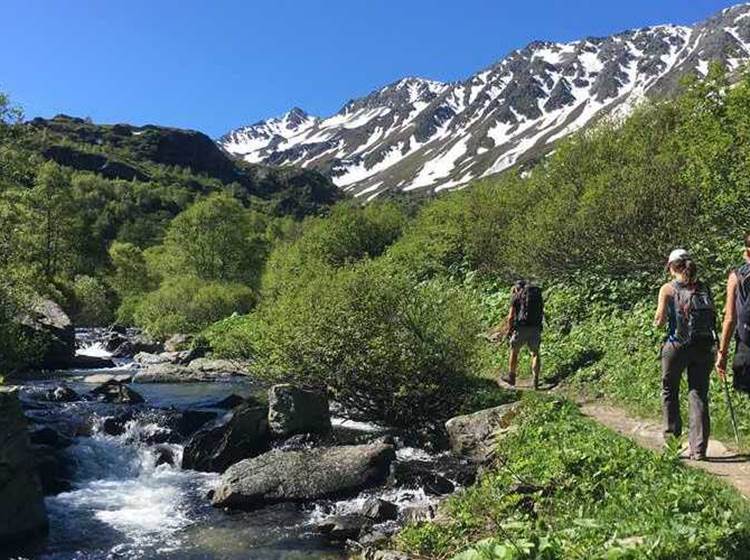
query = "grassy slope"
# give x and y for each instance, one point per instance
(591, 494)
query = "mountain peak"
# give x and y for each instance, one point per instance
(416, 133)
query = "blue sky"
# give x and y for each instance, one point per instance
(213, 65)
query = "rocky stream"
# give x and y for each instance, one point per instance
(153, 454)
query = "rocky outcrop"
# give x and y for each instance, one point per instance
(22, 512)
(47, 323)
(62, 393)
(342, 528)
(473, 435)
(294, 410)
(299, 476)
(237, 436)
(379, 510)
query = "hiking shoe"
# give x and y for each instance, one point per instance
(697, 456)
(508, 379)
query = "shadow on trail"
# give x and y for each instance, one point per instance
(581, 360)
(738, 458)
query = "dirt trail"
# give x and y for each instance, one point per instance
(722, 461)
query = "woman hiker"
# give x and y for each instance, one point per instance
(686, 307)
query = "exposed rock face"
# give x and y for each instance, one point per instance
(216, 446)
(342, 528)
(178, 342)
(294, 410)
(22, 512)
(298, 476)
(48, 323)
(473, 435)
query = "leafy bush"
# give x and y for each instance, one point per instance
(591, 494)
(189, 304)
(385, 347)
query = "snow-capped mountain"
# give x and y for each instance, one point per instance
(423, 134)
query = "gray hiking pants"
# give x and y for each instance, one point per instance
(698, 360)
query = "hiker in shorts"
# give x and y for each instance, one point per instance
(686, 307)
(524, 324)
(737, 325)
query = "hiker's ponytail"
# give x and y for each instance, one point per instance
(688, 269)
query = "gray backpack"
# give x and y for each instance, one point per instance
(695, 314)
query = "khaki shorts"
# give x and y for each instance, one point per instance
(526, 336)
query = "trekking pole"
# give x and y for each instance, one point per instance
(731, 413)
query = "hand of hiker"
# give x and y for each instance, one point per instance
(721, 366)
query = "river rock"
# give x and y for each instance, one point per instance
(239, 435)
(62, 393)
(190, 421)
(299, 476)
(90, 362)
(53, 472)
(230, 402)
(474, 435)
(166, 373)
(420, 474)
(296, 410)
(379, 510)
(164, 456)
(118, 393)
(47, 322)
(22, 512)
(390, 555)
(342, 528)
(218, 368)
(133, 345)
(102, 378)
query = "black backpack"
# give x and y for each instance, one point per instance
(695, 313)
(529, 307)
(743, 304)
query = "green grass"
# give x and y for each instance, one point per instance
(591, 494)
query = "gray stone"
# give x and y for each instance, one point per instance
(219, 368)
(117, 393)
(101, 378)
(237, 436)
(294, 410)
(22, 512)
(342, 528)
(62, 393)
(390, 555)
(299, 476)
(46, 320)
(379, 510)
(473, 435)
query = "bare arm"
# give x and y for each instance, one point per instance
(660, 318)
(728, 325)
(511, 317)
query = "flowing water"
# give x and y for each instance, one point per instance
(123, 504)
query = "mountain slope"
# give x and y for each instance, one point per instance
(422, 134)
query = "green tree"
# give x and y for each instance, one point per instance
(215, 240)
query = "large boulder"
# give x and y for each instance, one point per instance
(300, 476)
(295, 410)
(173, 368)
(473, 435)
(217, 445)
(22, 512)
(46, 322)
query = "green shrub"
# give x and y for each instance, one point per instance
(385, 347)
(188, 305)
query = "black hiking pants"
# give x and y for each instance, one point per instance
(698, 360)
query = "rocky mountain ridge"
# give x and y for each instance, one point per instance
(428, 135)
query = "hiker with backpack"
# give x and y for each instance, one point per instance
(524, 326)
(737, 325)
(686, 307)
